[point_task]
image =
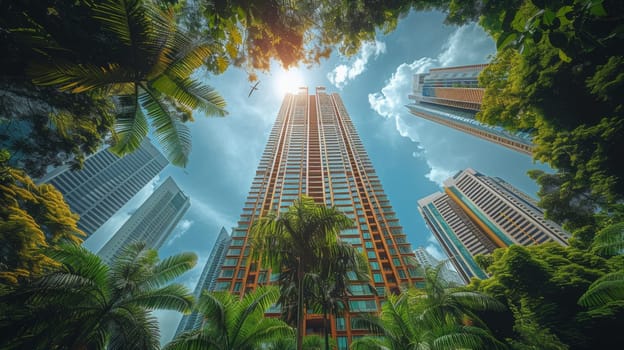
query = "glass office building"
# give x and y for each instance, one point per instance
(152, 222)
(106, 183)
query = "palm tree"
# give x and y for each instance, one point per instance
(146, 66)
(329, 287)
(84, 304)
(401, 326)
(294, 242)
(440, 299)
(231, 323)
(609, 242)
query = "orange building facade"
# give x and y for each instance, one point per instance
(314, 149)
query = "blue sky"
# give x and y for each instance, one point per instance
(411, 156)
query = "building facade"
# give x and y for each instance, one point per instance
(106, 183)
(207, 279)
(477, 214)
(427, 260)
(152, 222)
(451, 97)
(314, 150)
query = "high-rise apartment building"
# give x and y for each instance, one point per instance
(314, 150)
(106, 183)
(477, 214)
(451, 97)
(152, 222)
(207, 279)
(427, 260)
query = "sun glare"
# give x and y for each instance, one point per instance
(288, 81)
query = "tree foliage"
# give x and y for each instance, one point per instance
(436, 317)
(293, 243)
(129, 50)
(232, 323)
(543, 284)
(32, 218)
(251, 33)
(85, 304)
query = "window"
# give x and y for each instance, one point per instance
(360, 289)
(363, 305)
(370, 254)
(222, 286)
(234, 251)
(343, 343)
(377, 278)
(374, 265)
(230, 262)
(226, 273)
(237, 286)
(340, 324)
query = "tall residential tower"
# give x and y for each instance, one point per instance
(207, 279)
(106, 183)
(451, 97)
(152, 222)
(314, 150)
(477, 214)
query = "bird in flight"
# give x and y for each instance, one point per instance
(253, 88)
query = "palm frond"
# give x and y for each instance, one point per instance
(81, 262)
(171, 297)
(130, 126)
(171, 267)
(212, 306)
(170, 132)
(607, 288)
(256, 303)
(74, 77)
(188, 57)
(191, 94)
(609, 241)
(194, 340)
(478, 301)
(135, 328)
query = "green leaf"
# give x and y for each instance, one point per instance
(170, 132)
(130, 127)
(564, 57)
(505, 40)
(597, 9)
(548, 16)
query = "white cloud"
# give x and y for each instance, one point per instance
(435, 251)
(438, 174)
(391, 100)
(180, 230)
(343, 73)
(467, 45)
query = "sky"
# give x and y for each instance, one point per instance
(411, 156)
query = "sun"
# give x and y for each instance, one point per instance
(287, 81)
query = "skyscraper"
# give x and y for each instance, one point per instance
(427, 260)
(451, 97)
(477, 214)
(314, 149)
(106, 183)
(207, 279)
(152, 222)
